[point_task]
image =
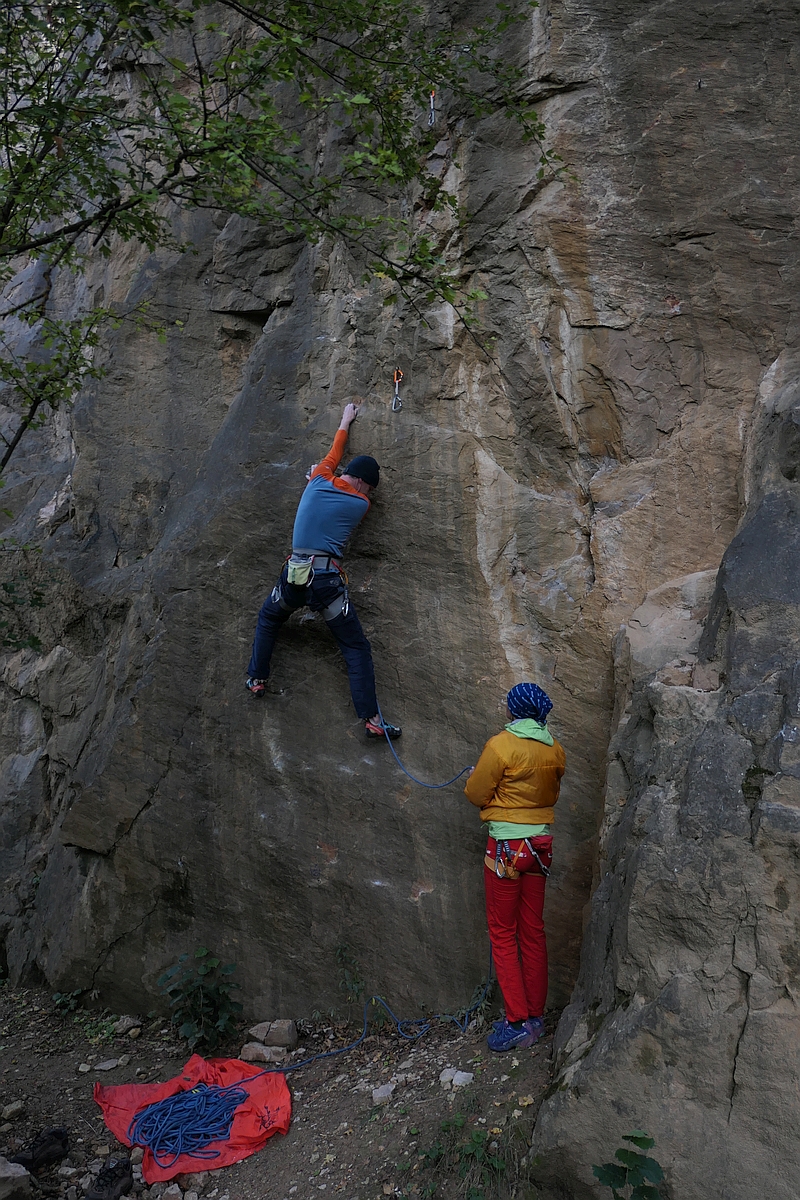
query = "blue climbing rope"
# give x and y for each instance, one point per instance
(189, 1122)
(408, 773)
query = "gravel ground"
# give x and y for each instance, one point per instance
(427, 1139)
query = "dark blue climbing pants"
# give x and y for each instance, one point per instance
(326, 593)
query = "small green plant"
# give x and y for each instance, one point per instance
(480, 1004)
(67, 1002)
(634, 1170)
(433, 1154)
(476, 1153)
(350, 982)
(378, 1015)
(96, 1027)
(475, 1159)
(201, 999)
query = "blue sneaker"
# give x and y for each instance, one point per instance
(510, 1037)
(536, 1027)
(535, 1024)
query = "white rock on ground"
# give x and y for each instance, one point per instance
(255, 1052)
(383, 1094)
(15, 1182)
(275, 1033)
(13, 1110)
(126, 1024)
(193, 1181)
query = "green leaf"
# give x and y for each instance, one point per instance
(611, 1175)
(640, 1139)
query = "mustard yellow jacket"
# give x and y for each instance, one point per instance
(517, 779)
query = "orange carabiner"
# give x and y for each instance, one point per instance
(397, 403)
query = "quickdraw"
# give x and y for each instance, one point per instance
(432, 110)
(397, 403)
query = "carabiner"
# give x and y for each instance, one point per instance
(397, 403)
(432, 111)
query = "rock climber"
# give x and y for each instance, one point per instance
(329, 510)
(515, 784)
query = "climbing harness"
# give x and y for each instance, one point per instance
(302, 565)
(408, 773)
(397, 403)
(505, 867)
(340, 605)
(432, 110)
(189, 1122)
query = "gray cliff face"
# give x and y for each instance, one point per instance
(684, 1019)
(646, 313)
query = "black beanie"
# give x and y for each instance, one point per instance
(364, 467)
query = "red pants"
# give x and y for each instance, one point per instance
(516, 930)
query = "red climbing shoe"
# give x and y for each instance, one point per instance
(256, 687)
(374, 729)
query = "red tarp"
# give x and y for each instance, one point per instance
(268, 1110)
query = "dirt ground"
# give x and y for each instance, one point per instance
(427, 1140)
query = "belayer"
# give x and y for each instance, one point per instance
(329, 510)
(515, 784)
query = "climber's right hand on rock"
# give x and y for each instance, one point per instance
(348, 416)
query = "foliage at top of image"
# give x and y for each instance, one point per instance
(103, 117)
(306, 115)
(200, 997)
(633, 1170)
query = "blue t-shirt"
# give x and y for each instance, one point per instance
(326, 516)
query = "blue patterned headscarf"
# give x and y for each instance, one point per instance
(528, 700)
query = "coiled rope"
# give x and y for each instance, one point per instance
(405, 769)
(189, 1122)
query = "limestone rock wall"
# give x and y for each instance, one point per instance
(590, 477)
(684, 1019)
